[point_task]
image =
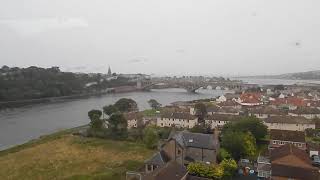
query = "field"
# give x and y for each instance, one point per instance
(64, 156)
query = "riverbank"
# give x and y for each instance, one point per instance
(26, 102)
(63, 155)
(20, 103)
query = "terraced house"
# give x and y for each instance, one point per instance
(289, 123)
(177, 119)
(280, 138)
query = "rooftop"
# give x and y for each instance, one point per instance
(288, 120)
(283, 135)
(197, 140)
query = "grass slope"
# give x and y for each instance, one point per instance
(64, 156)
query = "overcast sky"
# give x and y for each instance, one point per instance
(218, 37)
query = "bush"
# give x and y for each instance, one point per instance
(223, 154)
(151, 138)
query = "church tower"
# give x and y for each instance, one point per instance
(109, 71)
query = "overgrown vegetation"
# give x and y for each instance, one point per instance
(225, 170)
(35, 82)
(240, 138)
(64, 156)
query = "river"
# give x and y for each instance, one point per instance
(20, 125)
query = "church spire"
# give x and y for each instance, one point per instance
(109, 71)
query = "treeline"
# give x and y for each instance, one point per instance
(35, 82)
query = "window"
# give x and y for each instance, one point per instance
(179, 151)
(274, 142)
(282, 143)
(299, 145)
(161, 124)
(149, 167)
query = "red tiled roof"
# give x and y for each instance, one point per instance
(252, 98)
(290, 101)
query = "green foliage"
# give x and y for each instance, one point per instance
(198, 129)
(94, 114)
(201, 169)
(251, 124)
(151, 138)
(35, 82)
(150, 112)
(154, 104)
(164, 132)
(223, 154)
(225, 170)
(205, 170)
(110, 109)
(96, 122)
(239, 144)
(118, 126)
(126, 105)
(201, 110)
(229, 166)
(135, 134)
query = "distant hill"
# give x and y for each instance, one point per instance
(309, 75)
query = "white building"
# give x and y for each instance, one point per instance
(183, 120)
(219, 120)
(289, 123)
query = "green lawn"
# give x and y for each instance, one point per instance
(64, 156)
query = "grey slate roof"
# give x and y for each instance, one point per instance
(197, 140)
(159, 159)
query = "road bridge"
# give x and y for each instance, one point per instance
(192, 87)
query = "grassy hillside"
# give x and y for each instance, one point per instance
(64, 156)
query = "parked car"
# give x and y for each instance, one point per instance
(316, 160)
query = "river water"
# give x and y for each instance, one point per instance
(20, 125)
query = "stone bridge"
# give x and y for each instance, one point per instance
(191, 87)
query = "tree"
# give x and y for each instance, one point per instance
(223, 154)
(154, 104)
(118, 126)
(126, 105)
(198, 129)
(201, 110)
(229, 166)
(94, 114)
(110, 109)
(251, 124)
(239, 144)
(201, 170)
(205, 170)
(96, 123)
(151, 138)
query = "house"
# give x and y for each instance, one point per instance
(177, 119)
(264, 166)
(250, 99)
(170, 171)
(134, 119)
(232, 96)
(230, 104)
(265, 112)
(290, 103)
(222, 110)
(290, 162)
(212, 109)
(289, 123)
(185, 147)
(282, 137)
(158, 160)
(219, 120)
(221, 99)
(308, 113)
